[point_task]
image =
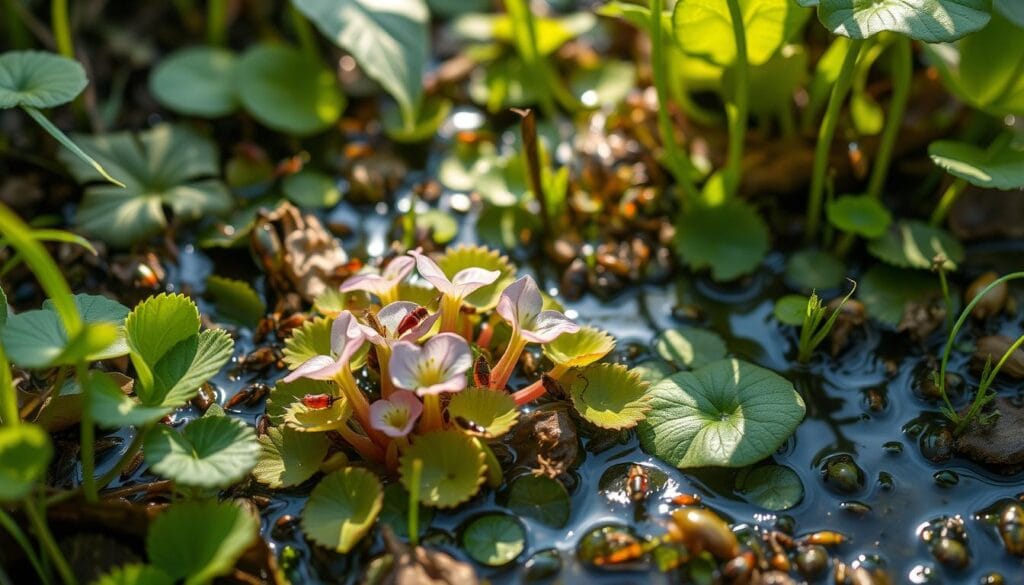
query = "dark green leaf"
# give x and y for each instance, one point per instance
(931, 21)
(915, 244)
(730, 239)
(196, 81)
(210, 452)
(38, 79)
(1003, 169)
(197, 541)
(813, 269)
(540, 498)
(494, 540)
(859, 214)
(25, 453)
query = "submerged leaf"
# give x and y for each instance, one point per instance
(494, 539)
(493, 410)
(289, 457)
(453, 467)
(813, 269)
(541, 498)
(726, 414)
(773, 487)
(608, 395)
(886, 290)
(342, 508)
(210, 452)
(199, 540)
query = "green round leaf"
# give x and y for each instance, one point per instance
(287, 90)
(135, 574)
(576, 350)
(653, 371)
(342, 508)
(690, 347)
(453, 467)
(541, 498)
(773, 487)
(726, 414)
(38, 79)
(25, 453)
(886, 290)
(930, 21)
(235, 300)
(859, 214)
(289, 457)
(730, 239)
(285, 394)
(608, 395)
(915, 244)
(199, 540)
(311, 189)
(195, 81)
(813, 269)
(1003, 169)
(791, 310)
(493, 410)
(210, 452)
(458, 258)
(703, 28)
(494, 539)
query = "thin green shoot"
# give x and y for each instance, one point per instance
(939, 264)
(414, 502)
(66, 142)
(60, 22)
(737, 110)
(524, 31)
(8, 395)
(816, 327)
(902, 75)
(676, 160)
(217, 22)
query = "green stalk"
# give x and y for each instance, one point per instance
(8, 394)
(19, 537)
(303, 31)
(45, 537)
(949, 197)
(982, 397)
(15, 29)
(902, 72)
(87, 437)
(61, 25)
(737, 110)
(825, 135)
(677, 162)
(524, 32)
(217, 22)
(414, 502)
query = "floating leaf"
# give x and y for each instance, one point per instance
(166, 166)
(37, 339)
(25, 453)
(453, 467)
(608, 395)
(726, 414)
(914, 244)
(460, 257)
(773, 487)
(235, 300)
(302, 418)
(289, 457)
(493, 410)
(812, 269)
(730, 239)
(690, 347)
(395, 512)
(494, 540)
(930, 21)
(311, 189)
(579, 349)
(342, 508)
(195, 81)
(541, 498)
(38, 79)
(135, 574)
(886, 290)
(388, 40)
(1003, 169)
(703, 28)
(288, 90)
(791, 310)
(859, 214)
(112, 408)
(210, 452)
(199, 540)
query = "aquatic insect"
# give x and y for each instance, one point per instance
(471, 426)
(374, 322)
(481, 372)
(686, 499)
(318, 401)
(637, 483)
(553, 387)
(824, 538)
(414, 318)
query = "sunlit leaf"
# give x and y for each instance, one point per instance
(915, 244)
(608, 395)
(112, 408)
(931, 21)
(581, 348)
(453, 467)
(730, 239)
(1003, 169)
(289, 457)
(36, 339)
(704, 28)
(493, 410)
(199, 540)
(302, 418)
(343, 508)
(210, 452)
(690, 347)
(135, 574)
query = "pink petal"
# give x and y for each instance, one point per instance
(402, 406)
(469, 280)
(403, 365)
(450, 352)
(398, 268)
(520, 302)
(371, 283)
(347, 336)
(429, 270)
(321, 367)
(548, 326)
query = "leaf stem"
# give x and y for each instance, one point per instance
(19, 537)
(45, 537)
(949, 197)
(531, 152)
(414, 502)
(8, 394)
(217, 22)
(825, 135)
(502, 371)
(61, 25)
(902, 72)
(737, 111)
(676, 160)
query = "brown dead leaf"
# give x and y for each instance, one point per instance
(421, 566)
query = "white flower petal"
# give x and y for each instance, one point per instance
(548, 326)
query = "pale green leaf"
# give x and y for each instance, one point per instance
(195, 81)
(690, 347)
(703, 28)
(210, 452)
(931, 21)
(609, 396)
(915, 244)
(495, 411)
(25, 453)
(197, 541)
(1003, 169)
(453, 467)
(342, 508)
(39, 79)
(289, 457)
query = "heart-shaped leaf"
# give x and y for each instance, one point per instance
(389, 41)
(915, 244)
(38, 79)
(1003, 169)
(730, 239)
(343, 508)
(540, 497)
(690, 347)
(289, 457)
(196, 81)
(494, 540)
(166, 166)
(579, 349)
(726, 414)
(453, 467)
(931, 21)
(287, 90)
(199, 540)
(495, 411)
(704, 28)
(135, 574)
(25, 453)
(859, 214)
(235, 300)
(608, 395)
(210, 452)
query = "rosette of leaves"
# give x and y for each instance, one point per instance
(342, 508)
(37, 339)
(609, 396)
(461, 257)
(579, 349)
(453, 467)
(289, 457)
(214, 451)
(728, 413)
(167, 166)
(496, 412)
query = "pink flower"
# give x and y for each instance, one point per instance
(464, 283)
(347, 336)
(520, 306)
(395, 416)
(384, 283)
(439, 366)
(402, 321)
